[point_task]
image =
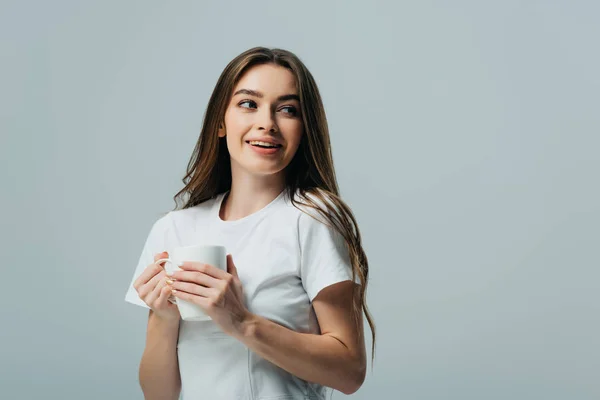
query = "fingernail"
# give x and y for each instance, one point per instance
(180, 263)
(169, 282)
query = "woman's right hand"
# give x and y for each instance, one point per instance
(153, 289)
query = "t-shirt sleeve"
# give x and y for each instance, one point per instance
(155, 243)
(324, 256)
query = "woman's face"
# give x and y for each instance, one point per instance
(263, 124)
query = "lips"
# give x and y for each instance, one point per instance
(265, 144)
(265, 151)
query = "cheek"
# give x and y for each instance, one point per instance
(236, 128)
(295, 136)
(234, 145)
(296, 145)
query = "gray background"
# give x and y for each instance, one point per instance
(465, 136)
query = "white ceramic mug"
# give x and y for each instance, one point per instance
(206, 254)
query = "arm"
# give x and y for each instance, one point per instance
(159, 368)
(336, 358)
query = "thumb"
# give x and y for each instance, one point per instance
(231, 266)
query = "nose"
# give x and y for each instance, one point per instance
(266, 121)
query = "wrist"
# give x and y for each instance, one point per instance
(161, 332)
(247, 327)
(165, 320)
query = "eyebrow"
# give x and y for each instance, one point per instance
(255, 93)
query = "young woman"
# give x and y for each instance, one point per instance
(286, 316)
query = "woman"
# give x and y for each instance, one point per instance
(286, 316)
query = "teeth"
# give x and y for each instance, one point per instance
(256, 142)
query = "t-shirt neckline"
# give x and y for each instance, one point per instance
(219, 203)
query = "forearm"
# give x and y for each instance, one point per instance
(315, 358)
(159, 369)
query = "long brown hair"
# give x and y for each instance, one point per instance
(310, 174)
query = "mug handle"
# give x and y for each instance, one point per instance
(160, 263)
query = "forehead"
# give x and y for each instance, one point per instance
(269, 79)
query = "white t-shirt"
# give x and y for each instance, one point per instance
(284, 257)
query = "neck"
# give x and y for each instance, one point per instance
(250, 193)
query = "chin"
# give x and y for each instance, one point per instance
(259, 167)
(264, 170)
(267, 172)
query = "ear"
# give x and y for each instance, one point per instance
(222, 132)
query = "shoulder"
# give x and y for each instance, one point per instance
(162, 224)
(314, 214)
(314, 207)
(183, 219)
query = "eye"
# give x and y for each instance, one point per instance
(250, 103)
(290, 110)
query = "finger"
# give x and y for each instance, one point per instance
(150, 285)
(204, 302)
(156, 279)
(231, 266)
(192, 288)
(153, 296)
(163, 298)
(198, 278)
(150, 271)
(158, 256)
(232, 269)
(204, 268)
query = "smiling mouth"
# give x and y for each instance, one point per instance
(263, 145)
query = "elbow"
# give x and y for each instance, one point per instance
(354, 379)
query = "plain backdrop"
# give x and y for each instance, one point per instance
(465, 138)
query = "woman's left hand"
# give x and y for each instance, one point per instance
(219, 293)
